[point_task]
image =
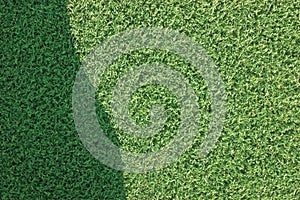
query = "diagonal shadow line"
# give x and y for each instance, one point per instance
(41, 153)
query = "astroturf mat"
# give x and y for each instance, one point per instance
(255, 46)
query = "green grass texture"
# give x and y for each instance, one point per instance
(255, 45)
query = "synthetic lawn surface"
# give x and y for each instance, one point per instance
(255, 46)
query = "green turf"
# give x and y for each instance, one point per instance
(255, 47)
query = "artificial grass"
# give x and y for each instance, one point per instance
(255, 46)
(42, 156)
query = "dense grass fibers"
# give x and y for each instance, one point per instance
(255, 45)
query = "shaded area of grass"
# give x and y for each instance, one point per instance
(41, 154)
